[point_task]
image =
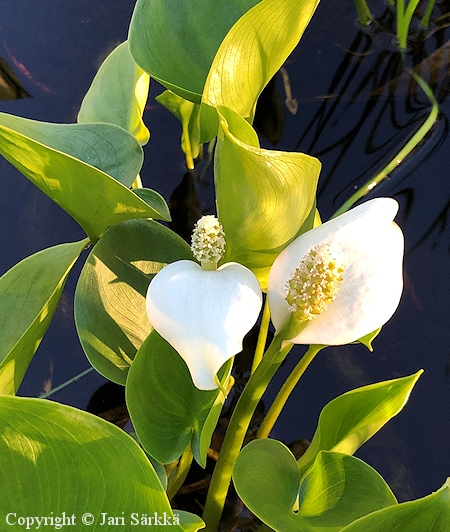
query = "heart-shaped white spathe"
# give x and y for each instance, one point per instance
(371, 246)
(204, 315)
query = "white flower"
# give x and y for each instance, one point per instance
(343, 278)
(204, 312)
(204, 315)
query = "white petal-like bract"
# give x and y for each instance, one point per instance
(204, 315)
(371, 246)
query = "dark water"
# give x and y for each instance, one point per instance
(355, 111)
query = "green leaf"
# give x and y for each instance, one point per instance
(431, 513)
(252, 52)
(104, 146)
(118, 94)
(188, 114)
(351, 419)
(29, 294)
(154, 200)
(55, 459)
(168, 412)
(94, 199)
(337, 490)
(191, 33)
(110, 295)
(369, 338)
(275, 190)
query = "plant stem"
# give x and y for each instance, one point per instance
(400, 23)
(364, 15)
(286, 390)
(64, 384)
(237, 429)
(404, 17)
(427, 15)
(400, 156)
(262, 337)
(181, 472)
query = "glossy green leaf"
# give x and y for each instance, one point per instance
(56, 459)
(275, 190)
(29, 294)
(252, 52)
(104, 146)
(188, 114)
(175, 42)
(168, 412)
(110, 310)
(431, 513)
(94, 199)
(340, 488)
(154, 200)
(336, 490)
(118, 94)
(351, 419)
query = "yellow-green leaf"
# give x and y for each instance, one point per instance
(176, 41)
(249, 56)
(348, 421)
(93, 198)
(29, 294)
(275, 191)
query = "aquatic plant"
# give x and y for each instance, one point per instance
(165, 320)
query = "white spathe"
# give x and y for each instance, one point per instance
(372, 250)
(204, 315)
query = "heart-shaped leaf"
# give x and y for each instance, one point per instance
(167, 410)
(57, 460)
(429, 513)
(118, 94)
(252, 52)
(337, 489)
(275, 190)
(104, 146)
(191, 32)
(348, 421)
(29, 294)
(94, 199)
(110, 296)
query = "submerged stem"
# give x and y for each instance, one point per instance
(64, 384)
(400, 156)
(286, 390)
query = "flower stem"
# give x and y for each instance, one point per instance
(262, 337)
(237, 429)
(286, 390)
(400, 156)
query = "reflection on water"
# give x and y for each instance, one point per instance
(357, 106)
(10, 87)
